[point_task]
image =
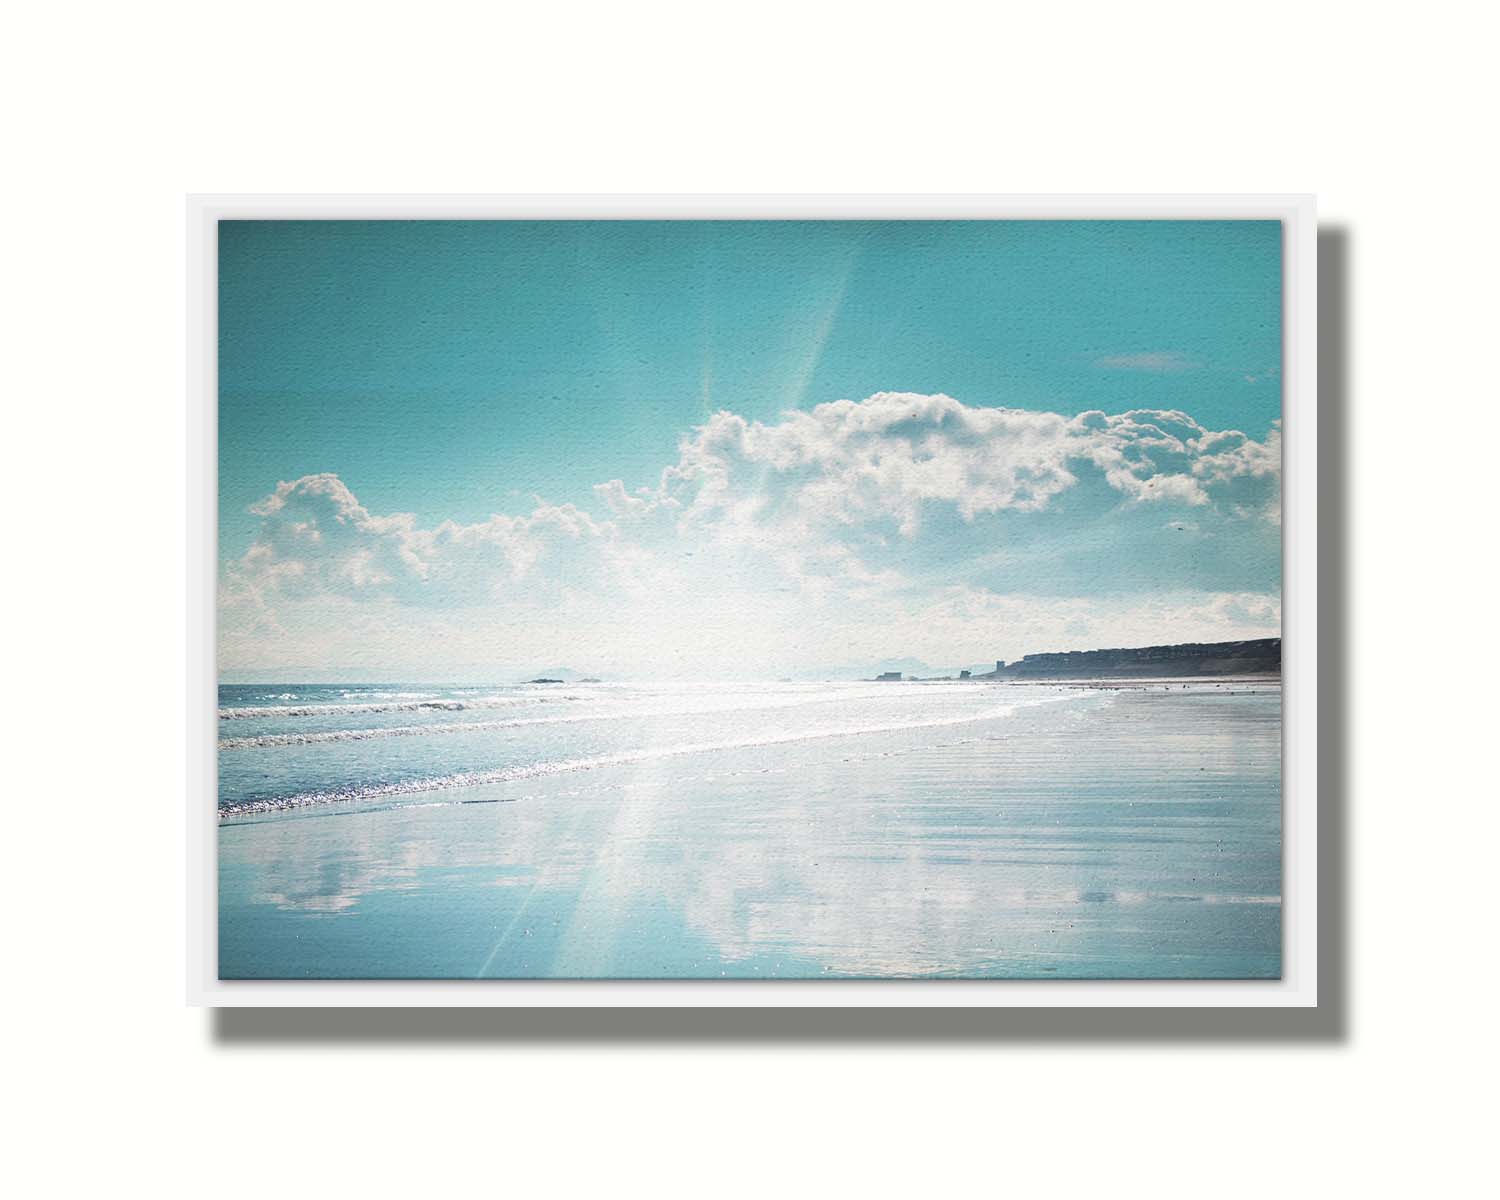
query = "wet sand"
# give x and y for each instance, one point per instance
(1133, 833)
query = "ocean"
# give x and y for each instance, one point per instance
(716, 830)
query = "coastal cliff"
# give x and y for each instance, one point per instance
(1261, 656)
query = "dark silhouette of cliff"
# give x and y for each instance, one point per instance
(1261, 656)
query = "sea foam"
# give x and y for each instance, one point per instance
(499, 775)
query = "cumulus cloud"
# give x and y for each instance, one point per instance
(317, 538)
(887, 458)
(851, 524)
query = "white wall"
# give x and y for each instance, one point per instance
(118, 110)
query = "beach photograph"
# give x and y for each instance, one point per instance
(749, 599)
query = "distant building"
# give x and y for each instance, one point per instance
(963, 674)
(892, 676)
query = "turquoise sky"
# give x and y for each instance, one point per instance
(455, 370)
(450, 368)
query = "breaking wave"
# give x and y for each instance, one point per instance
(320, 710)
(467, 779)
(308, 738)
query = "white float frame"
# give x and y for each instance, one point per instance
(1298, 986)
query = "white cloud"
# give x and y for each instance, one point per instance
(885, 458)
(620, 502)
(317, 538)
(850, 531)
(1158, 361)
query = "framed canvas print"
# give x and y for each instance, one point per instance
(752, 601)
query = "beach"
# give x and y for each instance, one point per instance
(933, 830)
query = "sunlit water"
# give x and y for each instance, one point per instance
(791, 830)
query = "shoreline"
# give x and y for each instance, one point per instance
(350, 796)
(1142, 683)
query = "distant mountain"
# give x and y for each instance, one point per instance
(560, 674)
(907, 666)
(1260, 656)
